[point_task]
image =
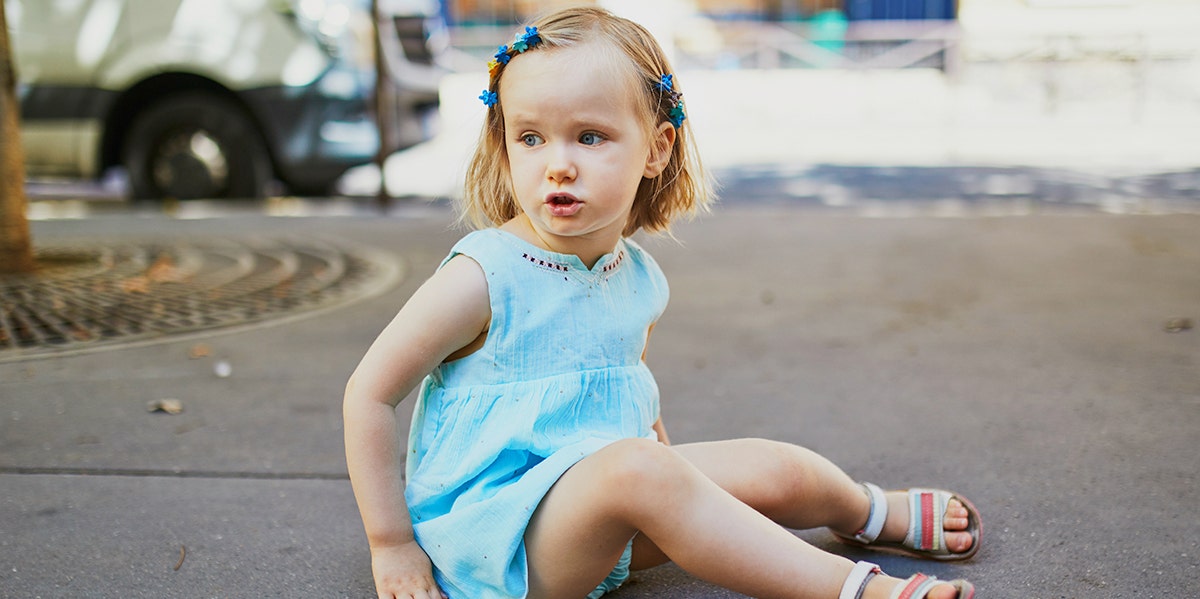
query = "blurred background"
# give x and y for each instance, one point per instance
(829, 101)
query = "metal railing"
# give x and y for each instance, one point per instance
(764, 45)
(1139, 71)
(857, 45)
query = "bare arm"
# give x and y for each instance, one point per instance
(661, 431)
(447, 313)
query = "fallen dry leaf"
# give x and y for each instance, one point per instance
(168, 405)
(1178, 325)
(164, 270)
(199, 350)
(138, 284)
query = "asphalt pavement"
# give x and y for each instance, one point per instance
(1037, 361)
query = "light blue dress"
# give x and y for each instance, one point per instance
(559, 377)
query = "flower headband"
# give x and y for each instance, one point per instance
(531, 39)
(523, 42)
(667, 84)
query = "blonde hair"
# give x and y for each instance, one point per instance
(682, 189)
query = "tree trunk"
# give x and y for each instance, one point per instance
(16, 247)
(382, 97)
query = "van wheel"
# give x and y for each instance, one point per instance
(195, 145)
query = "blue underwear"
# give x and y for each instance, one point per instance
(617, 577)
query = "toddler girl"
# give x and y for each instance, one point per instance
(537, 463)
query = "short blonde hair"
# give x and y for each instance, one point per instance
(682, 189)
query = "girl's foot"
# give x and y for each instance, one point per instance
(923, 523)
(885, 587)
(867, 581)
(954, 522)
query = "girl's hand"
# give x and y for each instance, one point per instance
(404, 572)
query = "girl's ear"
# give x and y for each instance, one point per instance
(661, 144)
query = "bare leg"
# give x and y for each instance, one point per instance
(793, 486)
(798, 489)
(583, 524)
(801, 489)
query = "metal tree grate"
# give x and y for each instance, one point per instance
(93, 296)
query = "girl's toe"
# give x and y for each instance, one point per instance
(958, 542)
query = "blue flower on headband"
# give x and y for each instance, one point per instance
(527, 40)
(522, 42)
(666, 83)
(502, 56)
(676, 115)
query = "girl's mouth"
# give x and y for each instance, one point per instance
(563, 204)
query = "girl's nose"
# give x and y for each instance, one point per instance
(560, 165)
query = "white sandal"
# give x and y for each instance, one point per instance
(857, 581)
(926, 538)
(916, 587)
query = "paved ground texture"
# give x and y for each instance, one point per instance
(1037, 364)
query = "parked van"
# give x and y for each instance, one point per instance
(219, 98)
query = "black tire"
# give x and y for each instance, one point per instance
(196, 145)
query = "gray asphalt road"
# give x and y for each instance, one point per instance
(1021, 360)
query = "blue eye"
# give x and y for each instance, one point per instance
(590, 139)
(530, 139)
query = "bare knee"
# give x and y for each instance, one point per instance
(783, 474)
(643, 469)
(636, 462)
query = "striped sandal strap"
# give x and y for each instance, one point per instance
(926, 512)
(918, 586)
(876, 517)
(857, 581)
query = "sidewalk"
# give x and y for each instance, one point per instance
(1036, 346)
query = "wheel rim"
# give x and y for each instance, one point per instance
(190, 164)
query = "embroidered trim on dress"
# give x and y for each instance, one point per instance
(546, 263)
(615, 263)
